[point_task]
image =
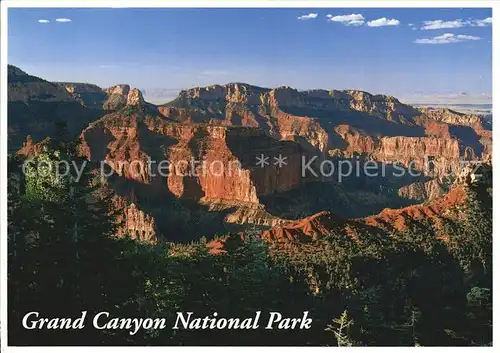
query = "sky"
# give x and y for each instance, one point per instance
(413, 54)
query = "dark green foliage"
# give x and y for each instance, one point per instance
(471, 239)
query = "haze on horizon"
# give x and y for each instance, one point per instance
(439, 56)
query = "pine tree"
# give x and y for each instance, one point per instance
(340, 329)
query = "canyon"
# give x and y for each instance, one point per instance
(229, 127)
(437, 212)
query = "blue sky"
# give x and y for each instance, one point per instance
(402, 52)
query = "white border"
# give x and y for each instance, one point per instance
(252, 3)
(496, 177)
(5, 4)
(3, 175)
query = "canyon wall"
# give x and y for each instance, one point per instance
(224, 129)
(212, 138)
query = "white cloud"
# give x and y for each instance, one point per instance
(308, 16)
(440, 24)
(483, 23)
(382, 22)
(348, 20)
(411, 25)
(458, 23)
(446, 38)
(43, 21)
(466, 37)
(414, 28)
(63, 20)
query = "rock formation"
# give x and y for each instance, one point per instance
(211, 137)
(345, 123)
(36, 105)
(88, 95)
(326, 224)
(213, 163)
(449, 206)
